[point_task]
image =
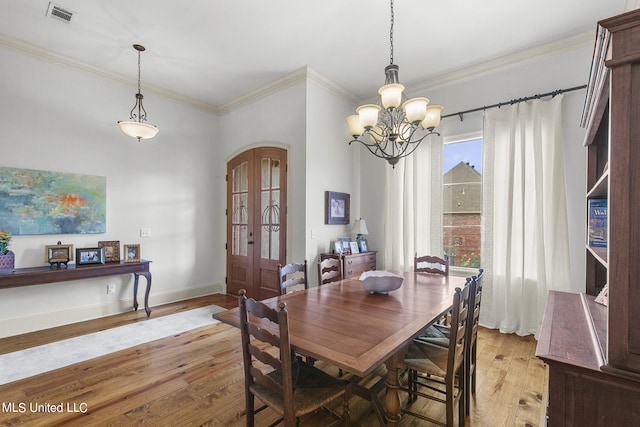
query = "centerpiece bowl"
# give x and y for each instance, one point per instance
(380, 281)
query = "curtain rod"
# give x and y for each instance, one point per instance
(514, 101)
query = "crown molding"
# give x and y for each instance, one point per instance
(34, 51)
(305, 73)
(503, 63)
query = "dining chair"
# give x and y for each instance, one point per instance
(274, 374)
(291, 276)
(440, 369)
(431, 264)
(329, 269)
(439, 335)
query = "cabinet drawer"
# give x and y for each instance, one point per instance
(355, 265)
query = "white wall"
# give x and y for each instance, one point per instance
(544, 75)
(59, 119)
(331, 166)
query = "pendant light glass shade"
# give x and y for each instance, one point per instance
(137, 129)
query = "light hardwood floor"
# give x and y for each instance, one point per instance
(195, 379)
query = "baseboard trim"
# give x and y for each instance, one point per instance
(37, 322)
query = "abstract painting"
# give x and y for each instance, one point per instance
(42, 202)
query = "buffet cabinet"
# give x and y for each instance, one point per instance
(593, 349)
(353, 265)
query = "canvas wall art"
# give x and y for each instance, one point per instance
(43, 202)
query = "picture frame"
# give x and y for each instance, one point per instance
(58, 254)
(131, 253)
(337, 207)
(362, 244)
(354, 247)
(89, 256)
(337, 247)
(111, 250)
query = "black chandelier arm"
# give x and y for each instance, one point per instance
(398, 149)
(142, 113)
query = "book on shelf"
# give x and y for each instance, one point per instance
(597, 223)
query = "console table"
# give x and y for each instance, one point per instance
(41, 275)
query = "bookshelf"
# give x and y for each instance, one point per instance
(593, 350)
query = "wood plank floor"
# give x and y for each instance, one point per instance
(195, 379)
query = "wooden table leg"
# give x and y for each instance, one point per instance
(147, 275)
(392, 399)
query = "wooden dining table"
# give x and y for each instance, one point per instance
(345, 325)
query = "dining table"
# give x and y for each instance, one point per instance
(345, 325)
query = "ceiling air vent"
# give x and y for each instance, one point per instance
(59, 13)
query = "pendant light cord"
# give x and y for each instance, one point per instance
(391, 34)
(138, 71)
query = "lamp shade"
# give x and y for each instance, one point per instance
(355, 127)
(368, 115)
(360, 227)
(432, 119)
(391, 95)
(415, 109)
(137, 129)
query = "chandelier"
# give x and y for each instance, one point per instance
(393, 129)
(136, 127)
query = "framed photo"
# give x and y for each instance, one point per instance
(354, 247)
(89, 256)
(337, 247)
(362, 244)
(336, 207)
(58, 253)
(132, 253)
(111, 250)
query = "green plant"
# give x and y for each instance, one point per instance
(5, 238)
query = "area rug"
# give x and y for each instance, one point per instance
(36, 360)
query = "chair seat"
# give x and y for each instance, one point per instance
(427, 358)
(313, 389)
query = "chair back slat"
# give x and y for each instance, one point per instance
(329, 269)
(431, 264)
(291, 275)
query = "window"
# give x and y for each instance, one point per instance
(462, 201)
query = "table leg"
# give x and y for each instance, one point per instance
(147, 275)
(392, 399)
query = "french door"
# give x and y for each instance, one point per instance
(256, 221)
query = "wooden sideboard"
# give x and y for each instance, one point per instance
(43, 275)
(354, 265)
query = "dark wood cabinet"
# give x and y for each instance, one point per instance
(593, 351)
(355, 264)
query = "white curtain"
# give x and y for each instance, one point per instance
(413, 206)
(525, 248)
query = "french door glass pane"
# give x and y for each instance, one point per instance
(240, 209)
(270, 209)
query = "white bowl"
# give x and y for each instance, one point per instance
(380, 282)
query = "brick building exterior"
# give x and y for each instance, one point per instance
(462, 205)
